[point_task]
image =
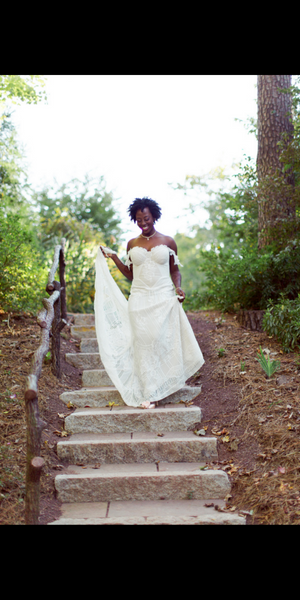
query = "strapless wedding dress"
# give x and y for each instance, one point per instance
(146, 343)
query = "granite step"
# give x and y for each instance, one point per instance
(83, 320)
(135, 481)
(161, 512)
(93, 397)
(125, 419)
(140, 447)
(82, 331)
(96, 378)
(89, 345)
(84, 360)
(103, 394)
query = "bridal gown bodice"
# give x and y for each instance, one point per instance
(146, 344)
(151, 272)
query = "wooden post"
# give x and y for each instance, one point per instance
(35, 424)
(62, 280)
(54, 314)
(55, 342)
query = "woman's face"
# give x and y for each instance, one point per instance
(145, 221)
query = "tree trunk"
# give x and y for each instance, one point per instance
(276, 206)
(251, 319)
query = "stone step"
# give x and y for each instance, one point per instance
(169, 481)
(120, 419)
(82, 331)
(96, 378)
(102, 395)
(142, 447)
(81, 320)
(92, 397)
(85, 360)
(89, 345)
(161, 512)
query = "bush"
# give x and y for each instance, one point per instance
(22, 275)
(249, 281)
(283, 321)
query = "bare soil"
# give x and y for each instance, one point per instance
(255, 419)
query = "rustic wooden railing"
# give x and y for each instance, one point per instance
(51, 319)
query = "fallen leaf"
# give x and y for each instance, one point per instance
(226, 439)
(218, 508)
(233, 470)
(228, 497)
(215, 432)
(233, 445)
(281, 470)
(70, 404)
(111, 405)
(61, 433)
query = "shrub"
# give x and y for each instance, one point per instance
(22, 275)
(283, 321)
(249, 281)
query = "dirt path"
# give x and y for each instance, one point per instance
(256, 420)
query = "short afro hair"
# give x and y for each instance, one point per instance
(140, 204)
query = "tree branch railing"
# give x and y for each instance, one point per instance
(51, 319)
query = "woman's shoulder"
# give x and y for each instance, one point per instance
(170, 242)
(131, 243)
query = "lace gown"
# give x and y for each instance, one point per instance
(146, 344)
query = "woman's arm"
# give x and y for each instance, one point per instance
(126, 271)
(175, 273)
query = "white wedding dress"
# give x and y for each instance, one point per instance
(146, 343)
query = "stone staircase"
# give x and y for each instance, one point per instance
(133, 466)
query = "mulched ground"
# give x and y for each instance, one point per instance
(255, 419)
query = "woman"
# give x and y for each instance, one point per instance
(146, 344)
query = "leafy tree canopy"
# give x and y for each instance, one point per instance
(20, 88)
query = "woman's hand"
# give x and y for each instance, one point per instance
(180, 292)
(104, 254)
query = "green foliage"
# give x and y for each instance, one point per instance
(22, 275)
(83, 213)
(282, 320)
(11, 170)
(188, 253)
(249, 281)
(17, 88)
(76, 207)
(32, 223)
(268, 366)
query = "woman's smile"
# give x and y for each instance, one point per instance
(145, 221)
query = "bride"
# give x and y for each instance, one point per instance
(146, 344)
